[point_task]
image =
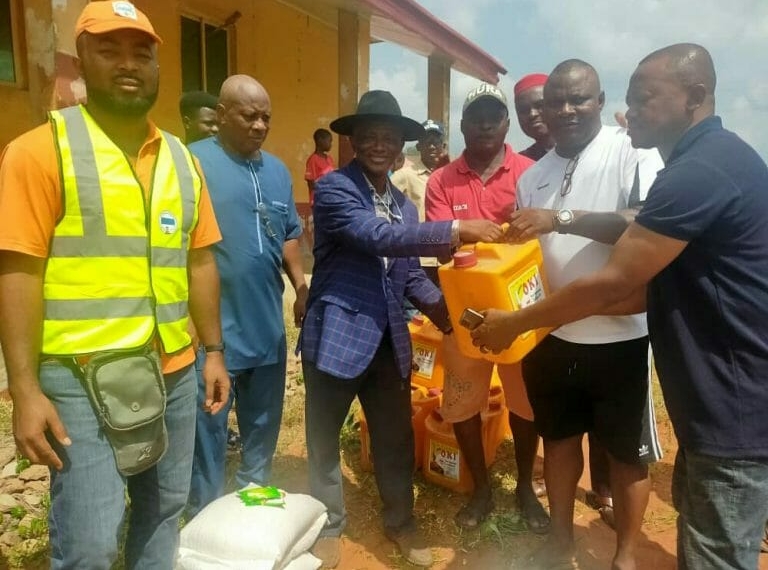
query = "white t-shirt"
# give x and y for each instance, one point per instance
(601, 182)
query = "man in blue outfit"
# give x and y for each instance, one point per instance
(355, 340)
(253, 200)
(700, 245)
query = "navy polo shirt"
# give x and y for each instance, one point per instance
(255, 210)
(708, 310)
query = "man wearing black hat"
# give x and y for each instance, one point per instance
(354, 339)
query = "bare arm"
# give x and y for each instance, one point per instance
(204, 309)
(21, 326)
(632, 305)
(294, 269)
(604, 227)
(638, 256)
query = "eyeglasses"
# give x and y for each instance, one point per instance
(264, 217)
(261, 207)
(565, 187)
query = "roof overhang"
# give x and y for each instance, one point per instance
(408, 24)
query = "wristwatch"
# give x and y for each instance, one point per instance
(562, 219)
(214, 347)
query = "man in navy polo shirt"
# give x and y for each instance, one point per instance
(700, 245)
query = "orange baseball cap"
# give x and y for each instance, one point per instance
(103, 16)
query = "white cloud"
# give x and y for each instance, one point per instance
(613, 35)
(407, 80)
(462, 15)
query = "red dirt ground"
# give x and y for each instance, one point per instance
(365, 548)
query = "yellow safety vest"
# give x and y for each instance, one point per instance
(117, 269)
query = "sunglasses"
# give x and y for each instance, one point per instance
(266, 222)
(565, 187)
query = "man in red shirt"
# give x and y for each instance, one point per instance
(481, 184)
(529, 106)
(319, 162)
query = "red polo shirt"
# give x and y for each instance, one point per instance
(457, 192)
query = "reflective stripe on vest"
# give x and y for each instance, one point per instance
(117, 274)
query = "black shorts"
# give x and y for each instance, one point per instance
(599, 388)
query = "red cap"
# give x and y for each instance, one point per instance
(464, 259)
(105, 16)
(531, 80)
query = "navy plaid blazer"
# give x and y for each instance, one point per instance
(355, 297)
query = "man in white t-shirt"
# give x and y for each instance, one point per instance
(591, 375)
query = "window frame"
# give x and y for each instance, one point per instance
(18, 33)
(203, 20)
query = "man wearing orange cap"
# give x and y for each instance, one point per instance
(94, 265)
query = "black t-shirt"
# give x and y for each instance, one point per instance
(708, 310)
(535, 151)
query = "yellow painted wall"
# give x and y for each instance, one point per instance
(293, 54)
(22, 104)
(17, 113)
(296, 60)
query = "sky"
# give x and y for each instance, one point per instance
(613, 35)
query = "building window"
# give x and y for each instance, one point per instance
(8, 71)
(204, 55)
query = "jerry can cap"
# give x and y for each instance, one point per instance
(464, 259)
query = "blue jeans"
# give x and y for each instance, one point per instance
(722, 505)
(259, 395)
(88, 494)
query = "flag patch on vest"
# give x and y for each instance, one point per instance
(168, 223)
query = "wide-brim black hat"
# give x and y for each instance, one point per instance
(378, 106)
